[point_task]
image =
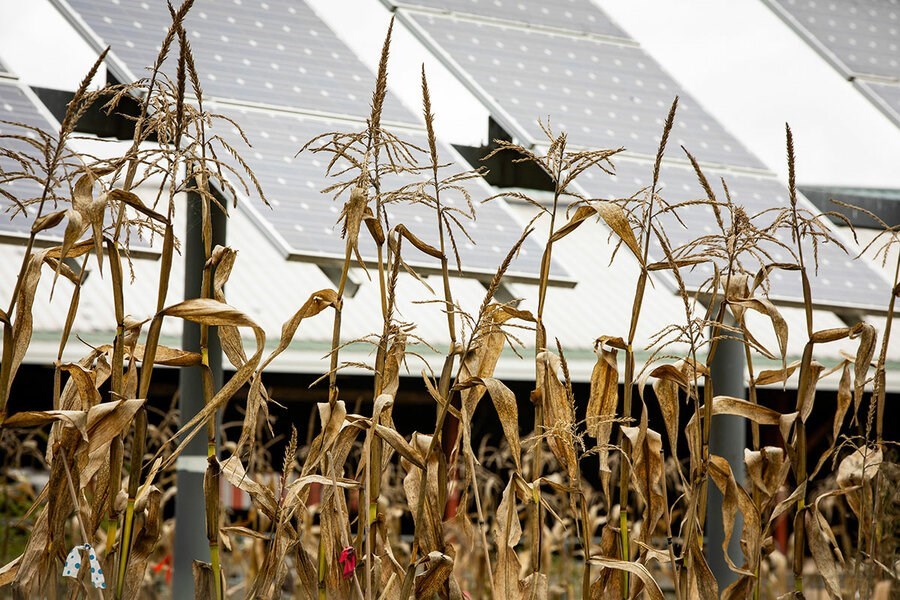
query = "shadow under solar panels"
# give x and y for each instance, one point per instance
(304, 222)
(844, 283)
(275, 53)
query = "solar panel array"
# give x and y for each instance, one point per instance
(303, 218)
(861, 39)
(285, 77)
(607, 92)
(603, 93)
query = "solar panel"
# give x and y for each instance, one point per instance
(304, 221)
(19, 106)
(842, 283)
(860, 37)
(579, 16)
(271, 53)
(269, 62)
(885, 96)
(21, 110)
(603, 94)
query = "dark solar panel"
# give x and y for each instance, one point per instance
(843, 281)
(303, 220)
(272, 53)
(579, 16)
(603, 94)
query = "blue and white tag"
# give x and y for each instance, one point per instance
(73, 565)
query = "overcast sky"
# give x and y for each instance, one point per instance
(735, 57)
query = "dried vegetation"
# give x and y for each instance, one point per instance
(602, 506)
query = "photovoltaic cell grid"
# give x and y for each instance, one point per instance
(18, 107)
(276, 52)
(842, 281)
(861, 39)
(579, 16)
(305, 220)
(602, 94)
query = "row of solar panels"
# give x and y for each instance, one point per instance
(603, 90)
(280, 72)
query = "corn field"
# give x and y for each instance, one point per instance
(591, 502)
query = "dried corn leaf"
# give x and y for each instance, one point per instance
(209, 312)
(84, 384)
(736, 498)
(582, 213)
(867, 338)
(398, 443)
(149, 528)
(818, 534)
(666, 392)
(352, 216)
(74, 418)
(728, 405)
(23, 324)
(844, 398)
(223, 258)
(769, 377)
(48, 221)
(647, 473)
(429, 529)
(767, 468)
(134, 201)
(615, 218)
(602, 402)
(651, 588)
(535, 587)
(429, 583)
(806, 389)
(316, 303)
(559, 414)
(507, 531)
(392, 363)
(507, 410)
(765, 307)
